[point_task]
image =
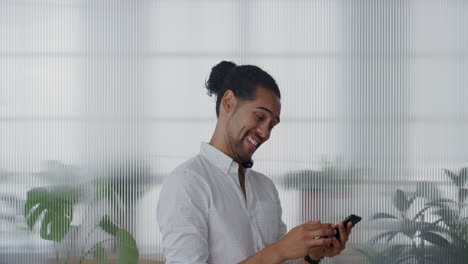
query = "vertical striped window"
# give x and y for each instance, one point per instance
(101, 99)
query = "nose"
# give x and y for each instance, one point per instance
(263, 132)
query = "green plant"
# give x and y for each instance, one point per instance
(453, 216)
(372, 255)
(437, 232)
(55, 204)
(52, 208)
(329, 176)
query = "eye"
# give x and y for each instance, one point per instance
(259, 117)
(271, 126)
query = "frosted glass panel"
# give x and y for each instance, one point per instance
(101, 100)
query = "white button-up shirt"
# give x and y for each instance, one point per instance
(203, 215)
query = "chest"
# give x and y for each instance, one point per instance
(244, 222)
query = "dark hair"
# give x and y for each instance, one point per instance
(241, 80)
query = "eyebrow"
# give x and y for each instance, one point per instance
(269, 111)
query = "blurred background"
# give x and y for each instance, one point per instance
(101, 99)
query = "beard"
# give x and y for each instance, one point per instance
(237, 145)
(238, 150)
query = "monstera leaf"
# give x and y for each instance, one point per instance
(107, 225)
(56, 206)
(52, 209)
(126, 247)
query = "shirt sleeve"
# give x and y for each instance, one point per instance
(182, 214)
(281, 232)
(282, 228)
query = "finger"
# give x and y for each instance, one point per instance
(321, 233)
(349, 227)
(337, 245)
(343, 233)
(314, 250)
(311, 226)
(322, 242)
(334, 249)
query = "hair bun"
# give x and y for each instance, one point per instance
(217, 76)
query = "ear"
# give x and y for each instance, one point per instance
(228, 102)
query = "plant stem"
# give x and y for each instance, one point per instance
(422, 242)
(93, 248)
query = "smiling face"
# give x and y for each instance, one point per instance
(250, 124)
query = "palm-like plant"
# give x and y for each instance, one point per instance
(436, 232)
(412, 228)
(453, 217)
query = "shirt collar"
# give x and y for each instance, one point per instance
(221, 160)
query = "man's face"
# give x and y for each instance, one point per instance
(251, 123)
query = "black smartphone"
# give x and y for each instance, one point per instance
(352, 218)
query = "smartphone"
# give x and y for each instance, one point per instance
(352, 218)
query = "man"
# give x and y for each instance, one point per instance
(214, 208)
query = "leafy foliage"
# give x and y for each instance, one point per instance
(56, 207)
(126, 247)
(438, 232)
(52, 208)
(329, 176)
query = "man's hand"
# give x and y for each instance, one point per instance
(299, 240)
(297, 243)
(335, 247)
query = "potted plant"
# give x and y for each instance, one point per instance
(437, 232)
(53, 209)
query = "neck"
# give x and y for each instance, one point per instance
(219, 141)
